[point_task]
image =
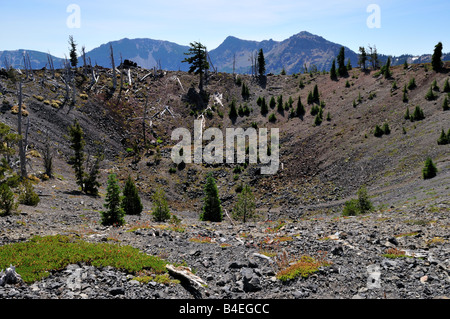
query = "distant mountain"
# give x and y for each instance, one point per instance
(292, 54)
(146, 53)
(38, 59)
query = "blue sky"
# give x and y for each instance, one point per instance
(413, 26)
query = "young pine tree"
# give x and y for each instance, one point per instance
(160, 209)
(446, 88)
(245, 206)
(27, 194)
(443, 139)
(445, 105)
(264, 108)
(114, 214)
(378, 131)
(272, 102)
(91, 183)
(333, 74)
(7, 203)
(387, 69)
(77, 145)
(280, 107)
(300, 111)
(131, 202)
(233, 111)
(212, 208)
(429, 170)
(316, 95)
(364, 203)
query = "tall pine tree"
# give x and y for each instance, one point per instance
(131, 202)
(342, 68)
(333, 74)
(198, 60)
(436, 59)
(212, 208)
(77, 145)
(73, 52)
(114, 214)
(261, 63)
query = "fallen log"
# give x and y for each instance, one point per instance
(193, 283)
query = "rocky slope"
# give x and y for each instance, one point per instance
(300, 206)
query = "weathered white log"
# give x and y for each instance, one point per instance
(186, 273)
(145, 76)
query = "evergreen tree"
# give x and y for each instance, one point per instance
(436, 59)
(429, 170)
(386, 129)
(364, 203)
(272, 102)
(233, 111)
(378, 131)
(407, 115)
(264, 107)
(405, 65)
(245, 206)
(212, 209)
(418, 114)
(131, 202)
(198, 60)
(342, 69)
(77, 145)
(362, 58)
(7, 142)
(300, 111)
(349, 65)
(73, 52)
(91, 183)
(316, 95)
(114, 214)
(412, 84)
(27, 194)
(387, 69)
(160, 210)
(310, 98)
(430, 96)
(7, 203)
(261, 63)
(245, 92)
(443, 139)
(445, 106)
(333, 74)
(280, 104)
(446, 86)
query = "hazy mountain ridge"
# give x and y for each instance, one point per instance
(291, 54)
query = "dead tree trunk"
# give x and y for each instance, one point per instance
(50, 65)
(25, 65)
(143, 121)
(83, 54)
(121, 74)
(113, 68)
(67, 79)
